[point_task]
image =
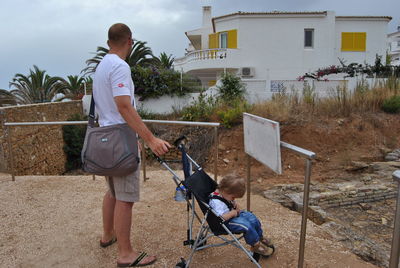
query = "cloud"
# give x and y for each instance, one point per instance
(59, 35)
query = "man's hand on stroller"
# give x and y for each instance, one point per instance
(159, 146)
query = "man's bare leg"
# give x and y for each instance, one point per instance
(122, 224)
(108, 217)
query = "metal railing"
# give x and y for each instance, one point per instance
(395, 251)
(8, 130)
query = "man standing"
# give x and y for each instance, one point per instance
(113, 91)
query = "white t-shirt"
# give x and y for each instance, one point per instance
(112, 78)
(218, 206)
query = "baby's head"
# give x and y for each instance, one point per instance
(232, 185)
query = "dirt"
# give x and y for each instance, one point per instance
(336, 141)
(55, 221)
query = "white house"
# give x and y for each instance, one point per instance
(394, 47)
(269, 49)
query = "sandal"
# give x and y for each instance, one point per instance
(137, 262)
(108, 243)
(262, 250)
(267, 241)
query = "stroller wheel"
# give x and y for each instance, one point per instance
(181, 264)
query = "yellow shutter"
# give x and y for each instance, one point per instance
(347, 41)
(354, 41)
(212, 83)
(213, 40)
(232, 39)
(360, 40)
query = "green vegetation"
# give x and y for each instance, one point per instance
(74, 136)
(391, 105)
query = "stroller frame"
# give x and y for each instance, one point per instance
(204, 232)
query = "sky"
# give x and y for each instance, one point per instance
(58, 36)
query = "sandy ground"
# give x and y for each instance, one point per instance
(55, 221)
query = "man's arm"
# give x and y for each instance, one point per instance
(133, 119)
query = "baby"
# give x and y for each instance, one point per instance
(223, 203)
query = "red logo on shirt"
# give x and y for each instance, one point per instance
(120, 85)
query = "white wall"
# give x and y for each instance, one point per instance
(376, 39)
(274, 44)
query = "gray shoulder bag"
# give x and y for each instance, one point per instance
(110, 150)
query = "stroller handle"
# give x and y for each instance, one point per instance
(179, 141)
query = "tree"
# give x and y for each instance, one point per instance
(37, 87)
(140, 54)
(6, 98)
(74, 87)
(165, 61)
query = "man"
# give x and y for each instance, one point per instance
(113, 91)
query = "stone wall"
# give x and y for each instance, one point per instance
(35, 149)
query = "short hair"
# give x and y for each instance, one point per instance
(119, 33)
(233, 184)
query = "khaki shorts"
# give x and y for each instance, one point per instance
(125, 188)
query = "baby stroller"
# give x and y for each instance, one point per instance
(197, 186)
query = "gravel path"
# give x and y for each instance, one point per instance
(55, 221)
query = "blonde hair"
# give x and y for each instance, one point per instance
(234, 185)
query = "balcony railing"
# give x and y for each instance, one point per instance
(206, 54)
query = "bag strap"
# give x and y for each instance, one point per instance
(91, 113)
(227, 203)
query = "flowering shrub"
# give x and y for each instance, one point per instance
(151, 82)
(353, 69)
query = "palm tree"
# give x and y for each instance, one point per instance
(6, 98)
(140, 54)
(37, 87)
(165, 61)
(74, 87)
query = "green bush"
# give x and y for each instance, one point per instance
(231, 88)
(201, 109)
(74, 136)
(152, 82)
(391, 105)
(232, 115)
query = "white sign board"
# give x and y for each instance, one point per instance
(262, 141)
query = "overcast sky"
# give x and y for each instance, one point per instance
(59, 35)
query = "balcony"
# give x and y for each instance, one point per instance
(205, 59)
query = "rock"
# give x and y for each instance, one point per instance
(221, 147)
(226, 161)
(360, 224)
(357, 165)
(384, 221)
(372, 212)
(391, 157)
(365, 206)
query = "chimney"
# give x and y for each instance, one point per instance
(206, 16)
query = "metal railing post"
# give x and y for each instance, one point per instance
(305, 213)
(216, 140)
(248, 180)
(394, 252)
(144, 161)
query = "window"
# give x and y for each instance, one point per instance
(398, 43)
(354, 41)
(226, 39)
(223, 39)
(308, 38)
